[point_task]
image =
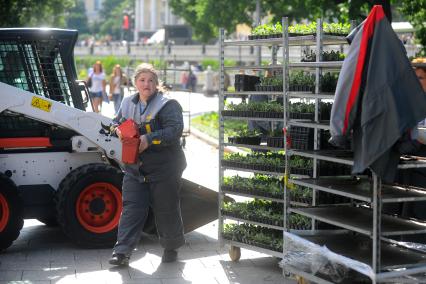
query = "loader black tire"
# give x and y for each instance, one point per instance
(11, 212)
(49, 221)
(89, 205)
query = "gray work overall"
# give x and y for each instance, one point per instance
(155, 180)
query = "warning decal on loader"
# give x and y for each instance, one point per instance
(40, 103)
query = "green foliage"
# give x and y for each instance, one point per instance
(256, 209)
(209, 124)
(302, 78)
(271, 81)
(32, 13)
(215, 64)
(111, 17)
(256, 106)
(268, 29)
(255, 235)
(271, 159)
(206, 16)
(259, 183)
(77, 19)
(108, 62)
(415, 10)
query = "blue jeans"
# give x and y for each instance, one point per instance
(96, 94)
(117, 98)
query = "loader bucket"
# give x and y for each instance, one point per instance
(199, 206)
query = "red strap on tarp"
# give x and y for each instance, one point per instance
(376, 15)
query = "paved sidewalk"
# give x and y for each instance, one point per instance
(44, 255)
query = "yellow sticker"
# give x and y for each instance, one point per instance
(42, 104)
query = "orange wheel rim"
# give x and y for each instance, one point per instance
(4, 212)
(99, 207)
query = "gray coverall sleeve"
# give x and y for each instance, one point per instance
(171, 121)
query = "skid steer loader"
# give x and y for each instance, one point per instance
(59, 163)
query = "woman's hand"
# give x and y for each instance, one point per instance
(143, 145)
(118, 132)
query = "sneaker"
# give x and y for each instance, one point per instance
(169, 255)
(119, 259)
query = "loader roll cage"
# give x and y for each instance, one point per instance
(41, 61)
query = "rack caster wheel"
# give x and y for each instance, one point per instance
(234, 253)
(301, 280)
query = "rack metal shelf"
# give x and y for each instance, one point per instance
(253, 222)
(361, 189)
(321, 64)
(359, 219)
(253, 171)
(251, 118)
(294, 40)
(337, 156)
(358, 248)
(255, 248)
(260, 147)
(368, 226)
(227, 169)
(246, 93)
(310, 95)
(254, 67)
(346, 157)
(253, 196)
(308, 123)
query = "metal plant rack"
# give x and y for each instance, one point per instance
(361, 240)
(222, 144)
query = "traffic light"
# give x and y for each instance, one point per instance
(126, 22)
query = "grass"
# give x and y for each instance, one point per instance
(208, 123)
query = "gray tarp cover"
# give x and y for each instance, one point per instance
(378, 97)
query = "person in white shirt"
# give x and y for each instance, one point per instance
(97, 86)
(117, 83)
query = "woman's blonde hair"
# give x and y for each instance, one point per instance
(145, 68)
(115, 68)
(98, 63)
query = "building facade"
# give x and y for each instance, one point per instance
(152, 15)
(92, 9)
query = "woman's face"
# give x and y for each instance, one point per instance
(146, 84)
(421, 75)
(97, 68)
(117, 71)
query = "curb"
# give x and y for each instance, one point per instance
(204, 137)
(213, 142)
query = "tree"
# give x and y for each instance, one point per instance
(415, 10)
(206, 16)
(112, 16)
(76, 18)
(34, 13)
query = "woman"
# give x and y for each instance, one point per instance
(116, 86)
(154, 181)
(98, 86)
